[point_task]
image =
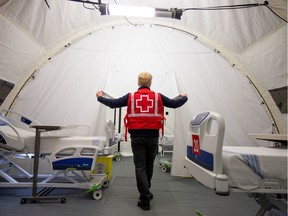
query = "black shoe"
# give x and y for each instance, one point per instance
(144, 204)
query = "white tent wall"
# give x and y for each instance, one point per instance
(16, 46)
(74, 76)
(252, 42)
(273, 44)
(63, 91)
(261, 54)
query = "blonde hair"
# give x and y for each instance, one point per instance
(144, 79)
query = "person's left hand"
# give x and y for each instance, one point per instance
(99, 94)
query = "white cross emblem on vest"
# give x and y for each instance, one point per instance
(140, 106)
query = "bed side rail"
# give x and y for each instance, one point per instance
(79, 158)
(24, 122)
(19, 120)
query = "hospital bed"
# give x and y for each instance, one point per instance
(261, 172)
(68, 150)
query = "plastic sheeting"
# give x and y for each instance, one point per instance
(63, 90)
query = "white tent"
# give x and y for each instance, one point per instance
(58, 53)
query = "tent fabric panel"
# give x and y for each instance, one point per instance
(18, 52)
(48, 26)
(263, 53)
(63, 91)
(237, 24)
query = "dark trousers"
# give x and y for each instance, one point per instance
(144, 152)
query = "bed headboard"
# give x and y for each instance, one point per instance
(207, 133)
(14, 141)
(204, 154)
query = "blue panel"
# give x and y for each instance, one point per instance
(205, 159)
(26, 121)
(76, 163)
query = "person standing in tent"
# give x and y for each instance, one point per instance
(144, 119)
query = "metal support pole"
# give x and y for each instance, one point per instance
(119, 128)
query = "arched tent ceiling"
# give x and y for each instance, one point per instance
(252, 39)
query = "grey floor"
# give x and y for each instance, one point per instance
(173, 196)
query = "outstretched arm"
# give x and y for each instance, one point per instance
(175, 102)
(112, 103)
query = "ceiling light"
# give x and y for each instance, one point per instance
(122, 10)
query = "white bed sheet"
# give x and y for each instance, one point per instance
(271, 164)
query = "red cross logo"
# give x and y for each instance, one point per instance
(144, 103)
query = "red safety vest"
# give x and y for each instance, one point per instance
(144, 111)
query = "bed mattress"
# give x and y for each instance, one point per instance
(251, 168)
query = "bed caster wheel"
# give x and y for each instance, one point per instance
(118, 158)
(63, 200)
(163, 169)
(97, 195)
(23, 201)
(105, 184)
